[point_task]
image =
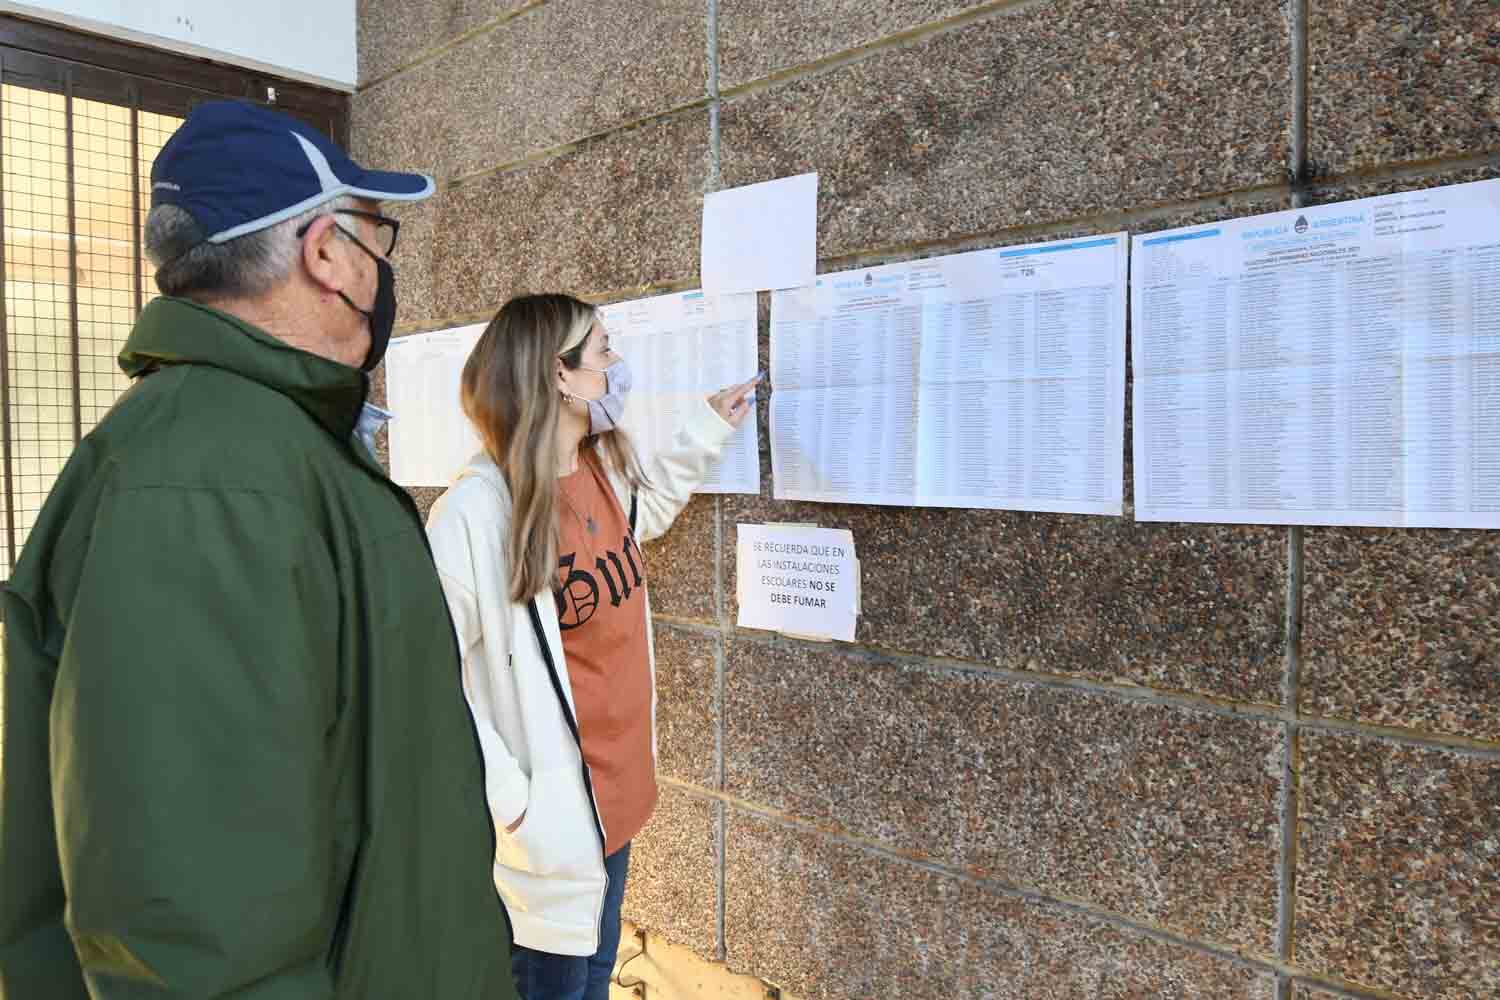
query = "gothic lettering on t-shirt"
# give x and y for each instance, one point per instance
(614, 577)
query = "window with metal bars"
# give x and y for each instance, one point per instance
(81, 119)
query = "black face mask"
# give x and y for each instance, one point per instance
(382, 314)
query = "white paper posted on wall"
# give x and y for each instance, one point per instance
(797, 579)
(1329, 365)
(682, 348)
(761, 236)
(991, 379)
(431, 440)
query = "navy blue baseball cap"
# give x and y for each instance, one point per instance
(238, 168)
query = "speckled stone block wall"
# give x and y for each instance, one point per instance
(1067, 757)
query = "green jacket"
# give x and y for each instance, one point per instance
(237, 760)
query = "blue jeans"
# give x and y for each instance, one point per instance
(541, 975)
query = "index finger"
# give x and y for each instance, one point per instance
(733, 392)
(741, 393)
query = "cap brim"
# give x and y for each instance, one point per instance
(386, 185)
(376, 185)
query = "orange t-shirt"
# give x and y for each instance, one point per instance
(601, 607)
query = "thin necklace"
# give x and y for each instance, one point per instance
(587, 523)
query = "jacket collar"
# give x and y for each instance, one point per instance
(174, 331)
(481, 466)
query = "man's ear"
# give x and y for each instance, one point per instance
(319, 258)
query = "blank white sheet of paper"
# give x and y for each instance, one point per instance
(992, 379)
(761, 236)
(431, 439)
(1333, 365)
(681, 348)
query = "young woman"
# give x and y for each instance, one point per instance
(538, 547)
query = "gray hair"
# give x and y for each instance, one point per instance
(245, 267)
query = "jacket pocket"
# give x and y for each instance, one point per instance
(558, 835)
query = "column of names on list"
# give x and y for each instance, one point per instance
(1331, 365)
(988, 379)
(681, 348)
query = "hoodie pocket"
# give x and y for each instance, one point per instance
(557, 836)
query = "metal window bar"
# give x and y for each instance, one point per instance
(77, 139)
(72, 195)
(39, 252)
(77, 165)
(137, 219)
(108, 231)
(50, 231)
(9, 478)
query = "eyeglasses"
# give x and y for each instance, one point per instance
(386, 228)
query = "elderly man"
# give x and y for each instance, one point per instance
(237, 757)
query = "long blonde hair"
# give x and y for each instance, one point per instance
(510, 395)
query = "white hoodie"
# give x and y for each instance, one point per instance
(550, 872)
